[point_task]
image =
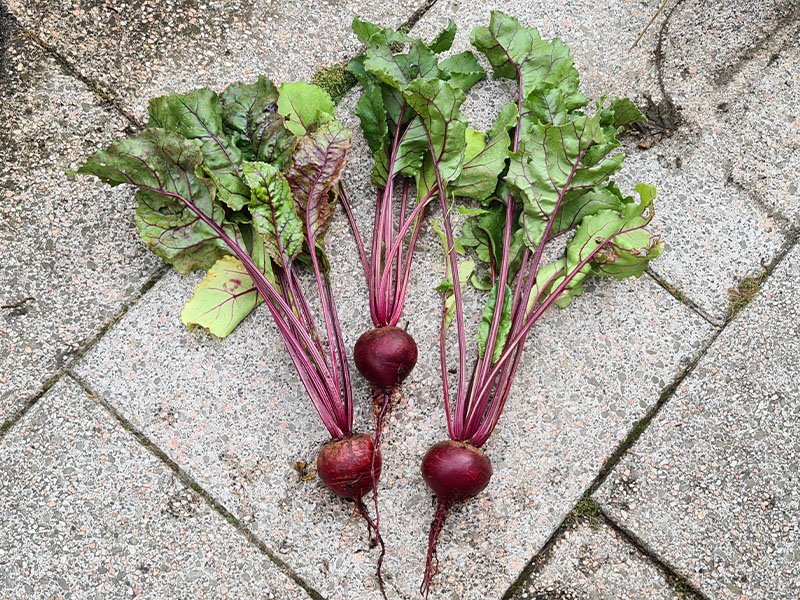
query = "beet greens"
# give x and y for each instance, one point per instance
(394, 125)
(555, 188)
(244, 184)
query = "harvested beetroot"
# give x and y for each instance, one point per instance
(540, 173)
(385, 356)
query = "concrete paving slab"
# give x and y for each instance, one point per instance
(592, 562)
(706, 45)
(760, 129)
(136, 50)
(711, 486)
(69, 253)
(234, 414)
(86, 512)
(715, 233)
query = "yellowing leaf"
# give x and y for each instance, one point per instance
(223, 299)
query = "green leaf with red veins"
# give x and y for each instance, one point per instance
(462, 70)
(163, 164)
(304, 106)
(222, 299)
(437, 103)
(630, 246)
(483, 162)
(198, 116)
(250, 116)
(275, 218)
(553, 163)
(317, 165)
(510, 47)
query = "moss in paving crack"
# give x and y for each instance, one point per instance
(683, 591)
(587, 511)
(674, 292)
(336, 80)
(746, 290)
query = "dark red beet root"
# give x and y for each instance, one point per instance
(385, 356)
(346, 466)
(455, 471)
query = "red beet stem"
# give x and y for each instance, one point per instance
(385, 356)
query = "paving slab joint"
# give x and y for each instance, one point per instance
(107, 98)
(749, 287)
(676, 293)
(81, 352)
(681, 586)
(195, 486)
(784, 222)
(729, 74)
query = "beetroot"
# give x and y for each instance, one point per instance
(455, 471)
(346, 465)
(385, 356)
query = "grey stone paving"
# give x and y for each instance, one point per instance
(712, 484)
(233, 415)
(69, 254)
(592, 562)
(86, 512)
(137, 50)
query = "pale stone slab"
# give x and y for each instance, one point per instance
(86, 512)
(711, 486)
(69, 253)
(593, 562)
(139, 49)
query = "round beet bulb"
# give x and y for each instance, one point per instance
(385, 356)
(456, 471)
(345, 466)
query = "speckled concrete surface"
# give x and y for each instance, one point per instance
(712, 484)
(86, 512)
(592, 562)
(234, 414)
(137, 50)
(69, 254)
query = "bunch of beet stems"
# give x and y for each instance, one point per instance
(386, 354)
(349, 464)
(457, 469)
